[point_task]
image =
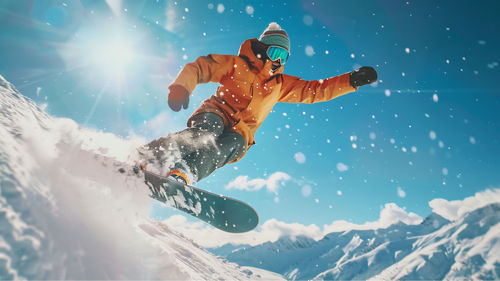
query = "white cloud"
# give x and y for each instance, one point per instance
(272, 183)
(271, 230)
(300, 157)
(342, 167)
(390, 214)
(159, 121)
(452, 210)
(160, 124)
(280, 229)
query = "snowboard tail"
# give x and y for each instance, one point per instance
(225, 213)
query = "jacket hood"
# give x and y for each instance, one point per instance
(256, 64)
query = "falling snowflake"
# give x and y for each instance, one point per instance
(435, 98)
(308, 20)
(444, 171)
(401, 192)
(309, 51)
(492, 65)
(220, 8)
(300, 157)
(306, 190)
(432, 135)
(249, 10)
(342, 167)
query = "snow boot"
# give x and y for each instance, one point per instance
(139, 167)
(178, 176)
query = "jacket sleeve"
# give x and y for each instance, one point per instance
(205, 69)
(296, 90)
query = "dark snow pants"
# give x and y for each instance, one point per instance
(205, 145)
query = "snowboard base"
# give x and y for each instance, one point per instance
(225, 213)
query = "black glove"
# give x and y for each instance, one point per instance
(362, 76)
(178, 97)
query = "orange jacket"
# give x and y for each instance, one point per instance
(249, 90)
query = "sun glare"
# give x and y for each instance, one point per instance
(105, 51)
(111, 57)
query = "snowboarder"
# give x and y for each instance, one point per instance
(222, 129)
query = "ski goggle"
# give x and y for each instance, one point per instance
(274, 53)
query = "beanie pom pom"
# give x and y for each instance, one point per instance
(273, 26)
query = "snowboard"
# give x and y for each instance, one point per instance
(224, 213)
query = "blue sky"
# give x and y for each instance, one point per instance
(429, 128)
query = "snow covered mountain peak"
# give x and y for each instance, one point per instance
(66, 213)
(434, 249)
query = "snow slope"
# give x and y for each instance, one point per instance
(65, 213)
(436, 249)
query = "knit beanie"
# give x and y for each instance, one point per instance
(274, 35)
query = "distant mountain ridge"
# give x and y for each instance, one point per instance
(434, 249)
